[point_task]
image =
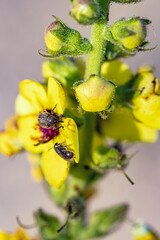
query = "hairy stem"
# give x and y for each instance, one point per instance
(95, 57)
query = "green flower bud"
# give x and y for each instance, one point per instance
(106, 158)
(61, 40)
(63, 69)
(131, 33)
(85, 11)
(75, 207)
(95, 94)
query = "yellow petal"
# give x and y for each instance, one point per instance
(11, 124)
(69, 135)
(56, 96)
(147, 110)
(19, 235)
(55, 168)
(4, 236)
(121, 126)
(10, 143)
(116, 71)
(147, 236)
(30, 133)
(23, 106)
(34, 93)
(145, 84)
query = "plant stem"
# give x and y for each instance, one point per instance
(95, 57)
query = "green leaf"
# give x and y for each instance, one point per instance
(104, 222)
(48, 226)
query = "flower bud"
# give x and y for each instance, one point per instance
(75, 207)
(61, 40)
(53, 42)
(85, 11)
(63, 69)
(106, 158)
(130, 33)
(10, 142)
(95, 94)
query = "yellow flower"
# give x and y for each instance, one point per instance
(142, 231)
(116, 71)
(18, 235)
(42, 124)
(10, 142)
(121, 126)
(146, 106)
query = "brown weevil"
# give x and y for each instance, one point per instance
(48, 119)
(62, 151)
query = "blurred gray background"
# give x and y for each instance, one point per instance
(22, 26)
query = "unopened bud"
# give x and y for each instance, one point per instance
(130, 33)
(62, 40)
(95, 94)
(75, 207)
(105, 157)
(53, 42)
(10, 142)
(85, 11)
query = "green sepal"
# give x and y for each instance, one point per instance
(81, 48)
(113, 51)
(48, 226)
(125, 93)
(63, 69)
(104, 222)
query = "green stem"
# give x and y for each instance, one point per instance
(95, 57)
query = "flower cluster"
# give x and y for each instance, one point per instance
(84, 103)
